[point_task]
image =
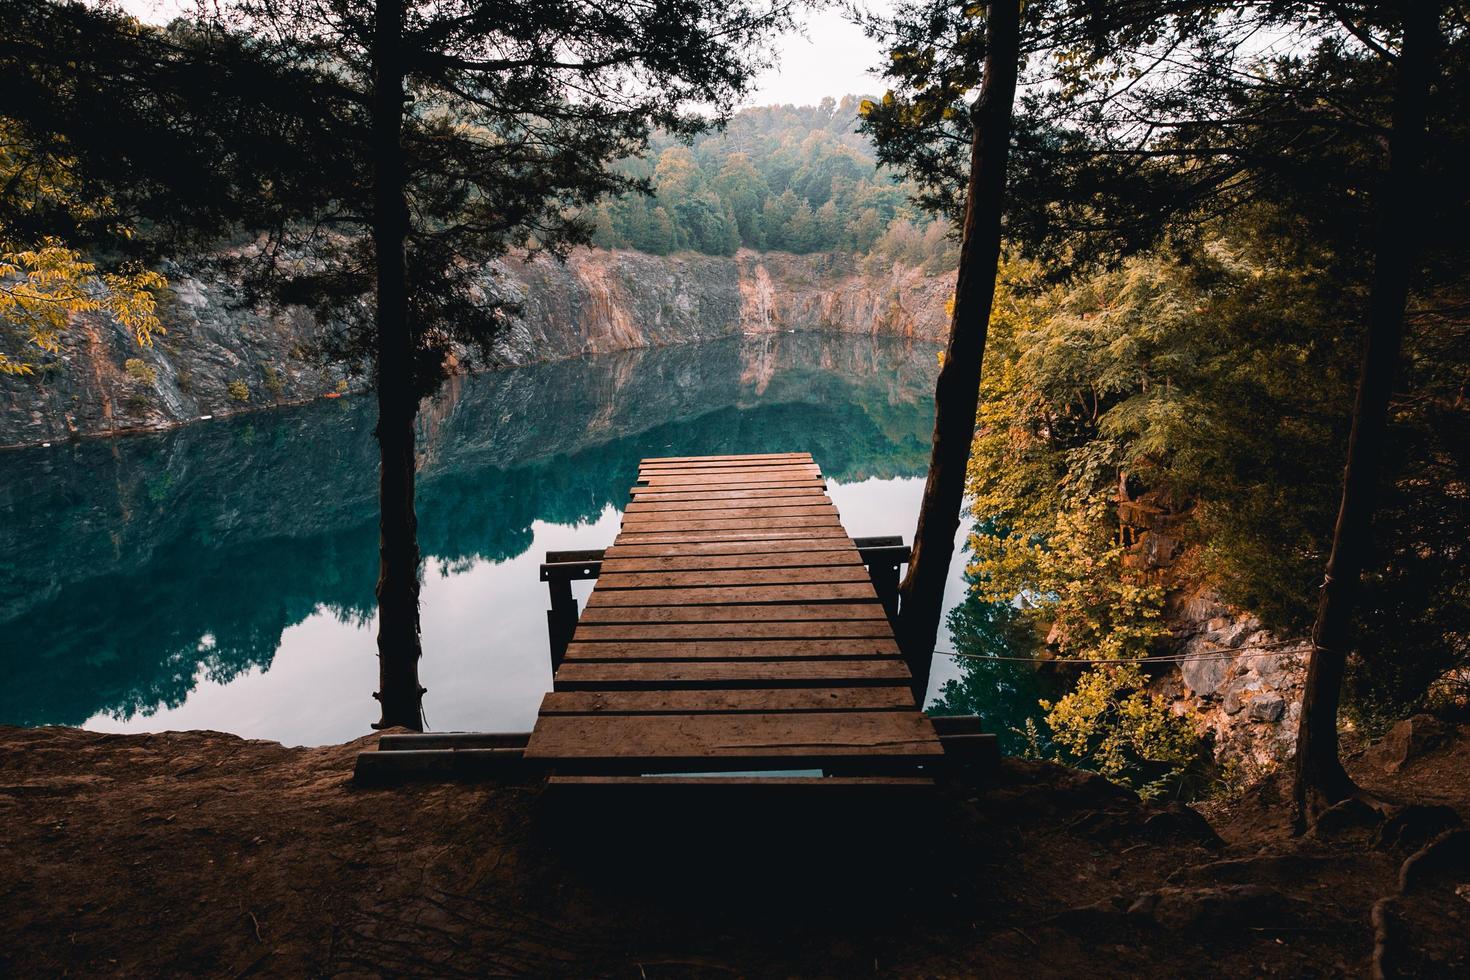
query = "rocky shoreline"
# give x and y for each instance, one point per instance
(218, 358)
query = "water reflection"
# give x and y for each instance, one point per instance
(1003, 692)
(221, 576)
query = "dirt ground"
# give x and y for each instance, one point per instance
(202, 854)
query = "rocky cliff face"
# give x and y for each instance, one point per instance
(1243, 684)
(218, 358)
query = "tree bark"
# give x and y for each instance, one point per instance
(399, 693)
(957, 392)
(1321, 780)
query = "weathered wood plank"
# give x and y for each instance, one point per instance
(733, 614)
(852, 671)
(724, 512)
(831, 628)
(646, 526)
(701, 459)
(643, 496)
(772, 650)
(726, 702)
(704, 478)
(731, 594)
(693, 563)
(743, 576)
(780, 735)
(758, 507)
(834, 533)
(774, 458)
(784, 545)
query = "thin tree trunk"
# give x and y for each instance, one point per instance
(1321, 780)
(957, 392)
(399, 692)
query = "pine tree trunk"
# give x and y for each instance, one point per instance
(399, 692)
(1321, 780)
(957, 392)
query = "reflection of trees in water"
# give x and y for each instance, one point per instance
(120, 556)
(1003, 693)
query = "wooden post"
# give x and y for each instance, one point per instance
(561, 619)
(883, 555)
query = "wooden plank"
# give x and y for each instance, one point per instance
(834, 533)
(726, 702)
(789, 545)
(728, 475)
(642, 492)
(702, 459)
(713, 674)
(643, 496)
(742, 576)
(753, 466)
(757, 507)
(704, 478)
(772, 650)
(780, 735)
(732, 614)
(830, 628)
(723, 511)
(657, 464)
(645, 526)
(693, 563)
(731, 594)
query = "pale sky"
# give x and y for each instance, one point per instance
(832, 59)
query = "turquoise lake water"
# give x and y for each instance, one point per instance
(220, 576)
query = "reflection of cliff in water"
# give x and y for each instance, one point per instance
(129, 567)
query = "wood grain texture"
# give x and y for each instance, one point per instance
(706, 736)
(726, 702)
(731, 674)
(733, 649)
(743, 576)
(758, 546)
(785, 612)
(829, 628)
(732, 594)
(692, 563)
(653, 460)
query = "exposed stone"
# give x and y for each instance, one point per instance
(1407, 740)
(1268, 707)
(1205, 673)
(595, 302)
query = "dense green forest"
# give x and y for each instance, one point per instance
(780, 178)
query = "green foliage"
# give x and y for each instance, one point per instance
(275, 382)
(239, 390)
(140, 370)
(1111, 722)
(44, 282)
(780, 178)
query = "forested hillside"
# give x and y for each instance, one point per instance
(779, 178)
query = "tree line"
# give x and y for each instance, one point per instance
(778, 178)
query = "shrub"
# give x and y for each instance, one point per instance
(1112, 723)
(139, 370)
(239, 390)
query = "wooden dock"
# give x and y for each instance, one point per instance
(736, 637)
(734, 630)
